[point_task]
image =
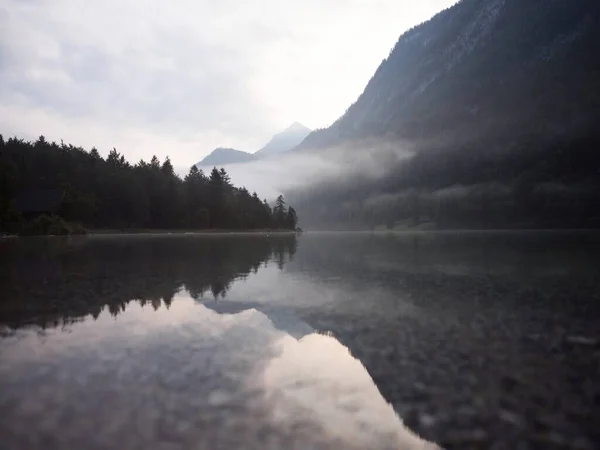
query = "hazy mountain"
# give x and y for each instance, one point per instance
(501, 95)
(281, 142)
(284, 141)
(480, 67)
(222, 156)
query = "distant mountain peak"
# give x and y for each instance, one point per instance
(226, 149)
(221, 156)
(296, 126)
(279, 143)
(284, 141)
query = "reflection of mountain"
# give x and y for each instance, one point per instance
(473, 364)
(485, 334)
(312, 377)
(211, 381)
(316, 378)
(282, 318)
(49, 279)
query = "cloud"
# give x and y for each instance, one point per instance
(361, 160)
(180, 78)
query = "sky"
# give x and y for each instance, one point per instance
(183, 77)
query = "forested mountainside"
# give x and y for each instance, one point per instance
(496, 104)
(279, 143)
(221, 156)
(112, 193)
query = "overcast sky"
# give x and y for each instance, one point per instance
(181, 77)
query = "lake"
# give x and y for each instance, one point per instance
(321, 341)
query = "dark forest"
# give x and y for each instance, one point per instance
(111, 193)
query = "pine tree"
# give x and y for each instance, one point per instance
(192, 175)
(292, 219)
(268, 214)
(167, 168)
(225, 178)
(154, 162)
(280, 212)
(94, 154)
(215, 177)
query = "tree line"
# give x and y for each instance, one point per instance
(526, 184)
(112, 193)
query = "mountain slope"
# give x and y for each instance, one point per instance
(484, 63)
(497, 102)
(221, 156)
(284, 141)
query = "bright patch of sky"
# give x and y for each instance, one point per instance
(183, 77)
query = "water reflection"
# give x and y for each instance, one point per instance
(57, 281)
(470, 336)
(473, 253)
(190, 378)
(316, 378)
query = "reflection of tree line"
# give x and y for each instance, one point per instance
(54, 281)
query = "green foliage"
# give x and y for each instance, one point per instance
(291, 219)
(9, 217)
(280, 213)
(112, 193)
(199, 219)
(50, 225)
(78, 206)
(77, 228)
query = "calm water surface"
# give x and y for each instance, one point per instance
(321, 341)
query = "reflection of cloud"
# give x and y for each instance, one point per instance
(280, 318)
(177, 372)
(316, 378)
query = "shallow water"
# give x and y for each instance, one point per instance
(326, 340)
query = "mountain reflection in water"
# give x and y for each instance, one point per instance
(193, 377)
(477, 340)
(122, 342)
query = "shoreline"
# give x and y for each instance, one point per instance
(149, 232)
(101, 232)
(212, 232)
